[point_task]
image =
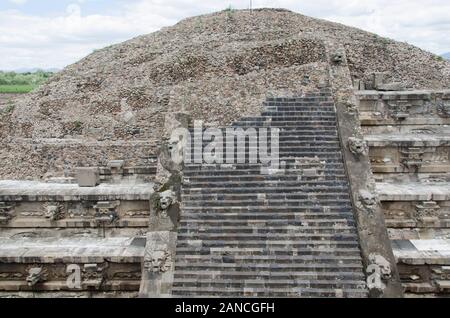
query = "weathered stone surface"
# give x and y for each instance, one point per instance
(158, 264)
(123, 92)
(88, 177)
(86, 116)
(423, 266)
(39, 191)
(407, 133)
(252, 232)
(358, 147)
(71, 265)
(370, 220)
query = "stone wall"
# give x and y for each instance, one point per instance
(96, 141)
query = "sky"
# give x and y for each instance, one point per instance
(56, 33)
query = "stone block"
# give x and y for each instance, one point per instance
(391, 87)
(310, 173)
(88, 177)
(378, 79)
(117, 164)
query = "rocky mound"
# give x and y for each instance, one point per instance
(219, 67)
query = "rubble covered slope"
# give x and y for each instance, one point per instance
(218, 67)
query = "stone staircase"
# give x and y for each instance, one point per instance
(252, 231)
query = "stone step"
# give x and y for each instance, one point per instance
(265, 180)
(286, 284)
(194, 292)
(305, 117)
(314, 100)
(255, 157)
(246, 237)
(284, 121)
(261, 197)
(287, 114)
(202, 204)
(298, 116)
(284, 163)
(244, 148)
(316, 107)
(315, 206)
(327, 169)
(310, 188)
(271, 251)
(282, 268)
(306, 136)
(269, 258)
(311, 224)
(207, 215)
(266, 190)
(324, 180)
(265, 194)
(259, 274)
(268, 244)
(304, 103)
(248, 177)
(266, 230)
(269, 205)
(262, 183)
(282, 150)
(298, 108)
(251, 172)
(264, 292)
(194, 169)
(287, 145)
(286, 131)
(331, 193)
(282, 125)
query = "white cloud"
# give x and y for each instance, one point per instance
(55, 41)
(73, 9)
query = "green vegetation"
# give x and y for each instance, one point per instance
(229, 9)
(77, 124)
(16, 89)
(11, 82)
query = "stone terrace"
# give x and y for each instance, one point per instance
(408, 135)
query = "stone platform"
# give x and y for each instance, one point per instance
(70, 265)
(408, 134)
(40, 191)
(423, 266)
(31, 204)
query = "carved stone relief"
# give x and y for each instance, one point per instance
(157, 261)
(106, 211)
(93, 275)
(378, 272)
(358, 147)
(367, 202)
(35, 275)
(53, 211)
(443, 108)
(427, 210)
(399, 109)
(412, 157)
(6, 212)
